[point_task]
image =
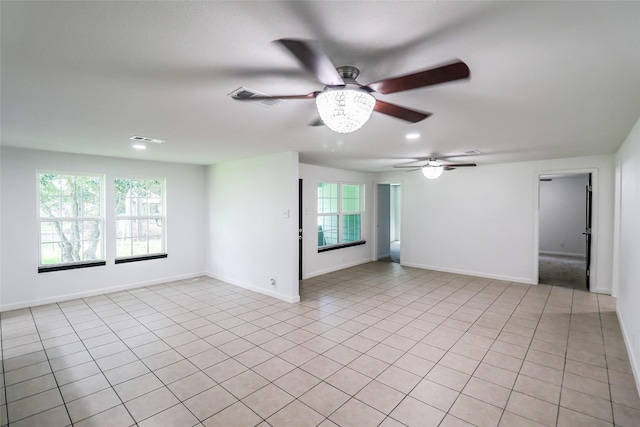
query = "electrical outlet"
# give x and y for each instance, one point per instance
(273, 282)
(562, 244)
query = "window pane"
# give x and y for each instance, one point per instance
(135, 237)
(327, 230)
(76, 200)
(69, 241)
(350, 198)
(327, 197)
(351, 228)
(340, 208)
(139, 198)
(88, 192)
(136, 197)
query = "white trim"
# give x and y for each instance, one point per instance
(567, 254)
(522, 280)
(338, 268)
(162, 216)
(617, 208)
(628, 345)
(340, 213)
(274, 294)
(95, 292)
(383, 256)
(102, 219)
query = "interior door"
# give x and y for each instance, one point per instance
(299, 229)
(587, 231)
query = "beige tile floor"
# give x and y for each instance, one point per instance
(378, 344)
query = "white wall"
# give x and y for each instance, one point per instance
(628, 160)
(562, 215)
(315, 263)
(253, 223)
(20, 283)
(483, 221)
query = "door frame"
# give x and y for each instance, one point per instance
(593, 277)
(300, 230)
(588, 233)
(400, 183)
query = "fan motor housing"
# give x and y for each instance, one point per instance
(349, 73)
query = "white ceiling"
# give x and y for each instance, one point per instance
(548, 79)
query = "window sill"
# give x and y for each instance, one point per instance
(139, 258)
(341, 246)
(60, 267)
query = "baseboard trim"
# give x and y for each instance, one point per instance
(627, 343)
(336, 268)
(524, 280)
(567, 254)
(94, 292)
(268, 292)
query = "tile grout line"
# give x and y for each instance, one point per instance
(44, 350)
(220, 384)
(606, 362)
(564, 366)
(379, 342)
(153, 370)
(370, 293)
(448, 317)
(496, 339)
(4, 404)
(93, 360)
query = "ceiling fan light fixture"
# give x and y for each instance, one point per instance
(432, 171)
(345, 110)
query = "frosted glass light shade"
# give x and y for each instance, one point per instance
(345, 110)
(432, 172)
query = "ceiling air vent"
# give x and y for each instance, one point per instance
(146, 139)
(246, 93)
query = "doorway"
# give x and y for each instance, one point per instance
(564, 256)
(388, 225)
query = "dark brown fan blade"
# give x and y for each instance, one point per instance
(317, 122)
(314, 60)
(456, 71)
(459, 165)
(399, 112)
(262, 98)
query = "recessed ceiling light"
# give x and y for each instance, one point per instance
(412, 136)
(139, 146)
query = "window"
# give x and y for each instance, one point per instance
(71, 221)
(139, 210)
(340, 211)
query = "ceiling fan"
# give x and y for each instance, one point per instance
(434, 167)
(344, 104)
